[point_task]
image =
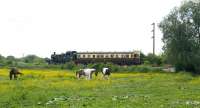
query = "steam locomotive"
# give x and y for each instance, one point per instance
(120, 58)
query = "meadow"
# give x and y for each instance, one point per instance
(60, 89)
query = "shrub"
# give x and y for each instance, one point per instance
(69, 66)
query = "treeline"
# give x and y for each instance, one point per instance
(30, 61)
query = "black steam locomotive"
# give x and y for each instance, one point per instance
(120, 58)
(63, 58)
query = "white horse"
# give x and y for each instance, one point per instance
(85, 72)
(106, 72)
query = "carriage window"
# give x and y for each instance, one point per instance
(106, 56)
(112, 56)
(98, 56)
(101, 56)
(83, 56)
(88, 56)
(93, 56)
(127, 56)
(116, 56)
(132, 56)
(135, 55)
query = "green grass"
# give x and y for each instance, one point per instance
(60, 89)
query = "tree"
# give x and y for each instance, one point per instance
(33, 59)
(153, 59)
(181, 36)
(2, 60)
(11, 61)
(142, 57)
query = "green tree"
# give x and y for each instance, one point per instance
(142, 57)
(181, 36)
(2, 60)
(33, 59)
(11, 61)
(153, 59)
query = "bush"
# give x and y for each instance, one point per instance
(70, 66)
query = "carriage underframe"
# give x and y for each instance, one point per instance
(119, 61)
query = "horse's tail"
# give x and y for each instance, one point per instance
(18, 72)
(96, 73)
(21, 73)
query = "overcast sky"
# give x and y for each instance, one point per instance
(43, 26)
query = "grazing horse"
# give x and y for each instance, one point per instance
(14, 72)
(85, 72)
(106, 72)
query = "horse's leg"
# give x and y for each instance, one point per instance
(104, 76)
(15, 76)
(96, 73)
(77, 75)
(107, 77)
(91, 75)
(11, 75)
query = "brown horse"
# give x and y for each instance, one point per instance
(14, 72)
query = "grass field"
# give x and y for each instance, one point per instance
(60, 89)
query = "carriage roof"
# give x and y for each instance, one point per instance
(108, 52)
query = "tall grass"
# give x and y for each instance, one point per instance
(47, 88)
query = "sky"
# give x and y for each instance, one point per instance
(42, 27)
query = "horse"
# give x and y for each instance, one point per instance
(86, 72)
(14, 72)
(106, 72)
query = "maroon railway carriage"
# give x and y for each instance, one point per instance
(120, 58)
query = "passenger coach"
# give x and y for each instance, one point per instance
(121, 58)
